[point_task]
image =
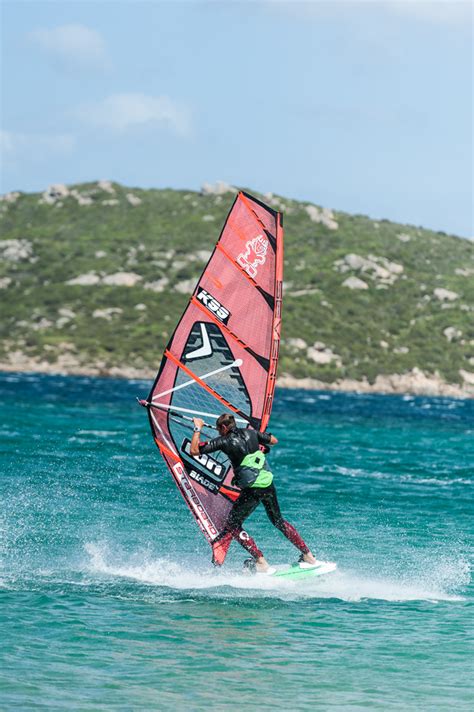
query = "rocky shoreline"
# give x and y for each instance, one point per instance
(415, 382)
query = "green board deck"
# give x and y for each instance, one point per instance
(296, 572)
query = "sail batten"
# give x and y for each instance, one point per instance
(200, 382)
(224, 352)
(194, 378)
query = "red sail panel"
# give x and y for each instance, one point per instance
(222, 357)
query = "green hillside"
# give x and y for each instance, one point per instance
(361, 297)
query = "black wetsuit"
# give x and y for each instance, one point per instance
(236, 444)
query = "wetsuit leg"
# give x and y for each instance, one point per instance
(243, 508)
(272, 508)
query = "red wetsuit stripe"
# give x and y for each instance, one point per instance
(221, 546)
(290, 532)
(246, 541)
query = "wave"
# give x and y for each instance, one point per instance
(400, 477)
(345, 585)
(100, 433)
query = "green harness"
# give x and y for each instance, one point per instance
(256, 461)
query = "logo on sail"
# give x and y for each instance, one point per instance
(187, 489)
(206, 470)
(255, 255)
(213, 305)
(215, 469)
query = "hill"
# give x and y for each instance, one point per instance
(95, 276)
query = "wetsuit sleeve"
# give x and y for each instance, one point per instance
(264, 438)
(212, 445)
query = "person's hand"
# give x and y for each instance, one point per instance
(198, 423)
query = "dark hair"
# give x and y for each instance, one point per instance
(225, 419)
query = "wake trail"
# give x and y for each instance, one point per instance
(343, 585)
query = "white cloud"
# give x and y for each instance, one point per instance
(14, 144)
(120, 112)
(7, 142)
(438, 11)
(75, 45)
(457, 12)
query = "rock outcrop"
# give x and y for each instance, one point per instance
(379, 269)
(15, 250)
(324, 216)
(119, 279)
(445, 294)
(355, 283)
(219, 188)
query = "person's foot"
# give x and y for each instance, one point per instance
(308, 558)
(261, 565)
(250, 566)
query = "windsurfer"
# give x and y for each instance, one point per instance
(245, 448)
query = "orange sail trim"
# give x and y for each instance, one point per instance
(251, 211)
(276, 327)
(232, 494)
(167, 451)
(235, 227)
(236, 264)
(220, 549)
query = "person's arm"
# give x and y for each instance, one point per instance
(198, 448)
(266, 439)
(198, 423)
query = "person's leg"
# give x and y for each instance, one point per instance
(243, 508)
(272, 508)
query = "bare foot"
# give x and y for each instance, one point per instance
(309, 558)
(262, 564)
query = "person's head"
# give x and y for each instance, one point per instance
(225, 423)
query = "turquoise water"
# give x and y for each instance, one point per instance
(108, 600)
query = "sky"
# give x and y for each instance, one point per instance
(365, 107)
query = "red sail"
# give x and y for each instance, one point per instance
(222, 357)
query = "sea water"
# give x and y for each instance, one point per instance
(109, 602)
